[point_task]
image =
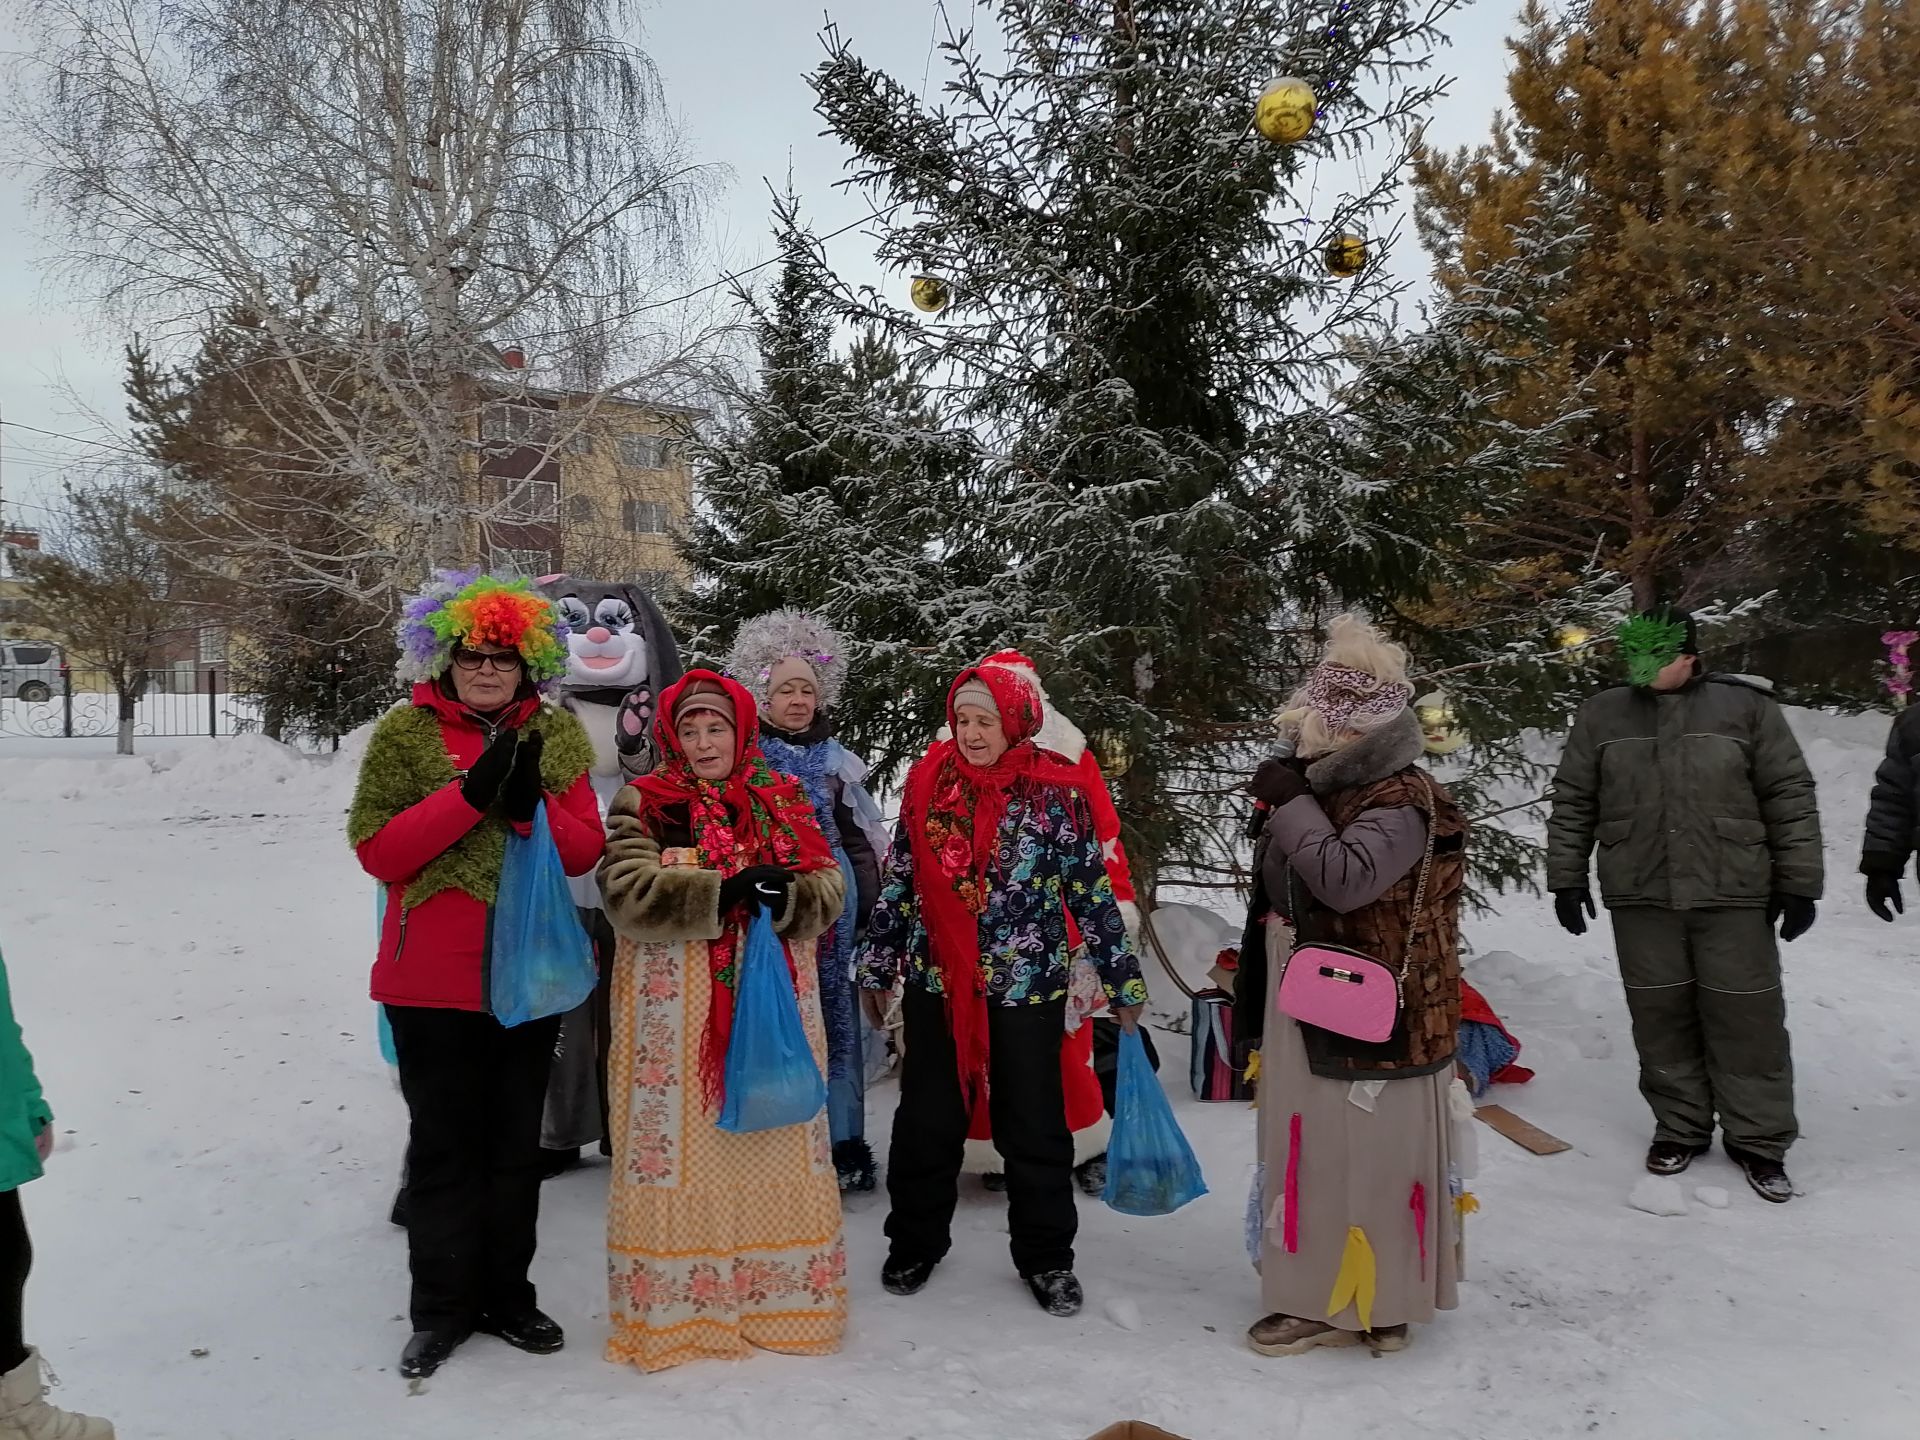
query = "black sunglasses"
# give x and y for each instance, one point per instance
(506, 662)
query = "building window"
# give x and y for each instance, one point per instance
(531, 501)
(644, 452)
(506, 562)
(518, 424)
(643, 517)
(580, 509)
(213, 645)
(580, 443)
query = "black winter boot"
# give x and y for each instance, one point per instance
(1058, 1292)
(1767, 1177)
(558, 1162)
(1670, 1157)
(906, 1277)
(529, 1330)
(427, 1351)
(853, 1159)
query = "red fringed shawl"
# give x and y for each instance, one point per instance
(756, 816)
(953, 809)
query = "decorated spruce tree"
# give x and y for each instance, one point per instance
(1136, 300)
(833, 487)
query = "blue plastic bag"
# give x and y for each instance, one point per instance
(1151, 1170)
(772, 1078)
(542, 960)
(387, 1051)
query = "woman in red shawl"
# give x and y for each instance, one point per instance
(1080, 1082)
(716, 1243)
(995, 848)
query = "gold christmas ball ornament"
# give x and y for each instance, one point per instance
(930, 294)
(1285, 111)
(1345, 255)
(1110, 748)
(1571, 637)
(1441, 733)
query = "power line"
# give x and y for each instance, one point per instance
(74, 439)
(726, 279)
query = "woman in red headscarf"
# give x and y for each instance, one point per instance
(996, 847)
(717, 1242)
(1087, 1106)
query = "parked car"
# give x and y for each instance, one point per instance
(29, 670)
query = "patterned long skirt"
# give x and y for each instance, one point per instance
(716, 1243)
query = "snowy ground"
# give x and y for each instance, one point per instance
(188, 940)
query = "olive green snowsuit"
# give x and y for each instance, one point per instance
(1703, 811)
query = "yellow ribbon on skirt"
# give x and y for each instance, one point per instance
(1355, 1283)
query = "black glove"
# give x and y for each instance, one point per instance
(1792, 913)
(1278, 781)
(1573, 908)
(520, 796)
(489, 772)
(1883, 894)
(756, 887)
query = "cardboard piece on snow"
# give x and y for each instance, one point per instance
(1134, 1430)
(1523, 1133)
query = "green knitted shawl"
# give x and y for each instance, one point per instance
(407, 760)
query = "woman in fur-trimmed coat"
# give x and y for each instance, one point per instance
(796, 667)
(1360, 1202)
(717, 1243)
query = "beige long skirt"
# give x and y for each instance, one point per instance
(1376, 1219)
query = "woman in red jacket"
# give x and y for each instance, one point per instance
(473, 753)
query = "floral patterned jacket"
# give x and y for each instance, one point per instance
(1048, 866)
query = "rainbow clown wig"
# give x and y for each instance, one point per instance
(464, 607)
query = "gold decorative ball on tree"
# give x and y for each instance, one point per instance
(1111, 750)
(1285, 111)
(1571, 639)
(930, 294)
(1441, 733)
(1345, 255)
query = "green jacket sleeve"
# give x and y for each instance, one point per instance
(19, 1063)
(1784, 786)
(1575, 794)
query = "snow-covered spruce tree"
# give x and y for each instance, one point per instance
(1140, 332)
(833, 487)
(1452, 426)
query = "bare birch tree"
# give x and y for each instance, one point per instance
(416, 210)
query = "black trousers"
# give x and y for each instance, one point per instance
(475, 1090)
(1029, 1115)
(16, 1260)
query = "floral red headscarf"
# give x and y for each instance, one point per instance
(756, 816)
(953, 809)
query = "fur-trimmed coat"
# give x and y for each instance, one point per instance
(649, 900)
(440, 858)
(1343, 864)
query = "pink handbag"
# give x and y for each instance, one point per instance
(1346, 991)
(1340, 990)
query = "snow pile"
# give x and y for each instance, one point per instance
(188, 940)
(1658, 1195)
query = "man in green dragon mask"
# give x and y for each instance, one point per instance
(1702, 808)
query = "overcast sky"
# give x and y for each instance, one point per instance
(734, 70)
